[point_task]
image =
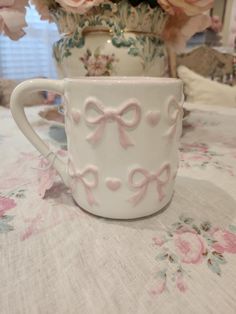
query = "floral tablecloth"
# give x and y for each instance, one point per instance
(56, 258)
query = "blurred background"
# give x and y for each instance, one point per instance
(31, 55)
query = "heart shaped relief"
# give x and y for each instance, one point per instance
(75, 114)
(153, 117)
(113, 184)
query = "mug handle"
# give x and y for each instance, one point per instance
(18, 113)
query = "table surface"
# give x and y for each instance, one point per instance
(56, 258)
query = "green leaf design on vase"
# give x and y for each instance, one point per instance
(135, 29)
(62, 48)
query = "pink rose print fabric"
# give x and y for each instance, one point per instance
(225, 241)
(185, 243)
(189, 246)
(6, 204)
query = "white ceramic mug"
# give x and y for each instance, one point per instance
(122, 134)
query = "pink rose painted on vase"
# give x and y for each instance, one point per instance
(226, 241)
(190, 247)
(97, 64)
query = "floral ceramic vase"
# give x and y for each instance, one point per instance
(112, 39)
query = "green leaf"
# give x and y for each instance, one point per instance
(6, 218)
(67, 54)
(210, 241)
(195, 227)
(70, 42)
(5, 227)
(162, 256)
(106, 6)
(214, 266)
(80, 43)
(20, 195)
(133, 52)
(97, 52)
(219, 257)
(232, 228)
(173, 258)
(162, 273)
(121, 42)
(177, 225)
(186, 220)
(182, 217)
(205, 226)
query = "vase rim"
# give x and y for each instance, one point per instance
(118, 17)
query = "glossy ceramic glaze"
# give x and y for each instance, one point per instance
(122, 135)
(112, 39)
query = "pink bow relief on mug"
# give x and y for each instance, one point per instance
(110, 114)
(174, 113)
(161, 178)
(82, 177)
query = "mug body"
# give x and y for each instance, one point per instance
(123, 135)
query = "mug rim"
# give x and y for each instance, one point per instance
(124, 79)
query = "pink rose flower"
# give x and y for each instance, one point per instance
(180, 283)
(160, 288)
(180, 28)
(188, 7)
(189, 246)
(159, 241)
(96, 66)
(42, 8)
(226, 241)
(12, 18)
(6, 204)
(79, 6)
(199, 157)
